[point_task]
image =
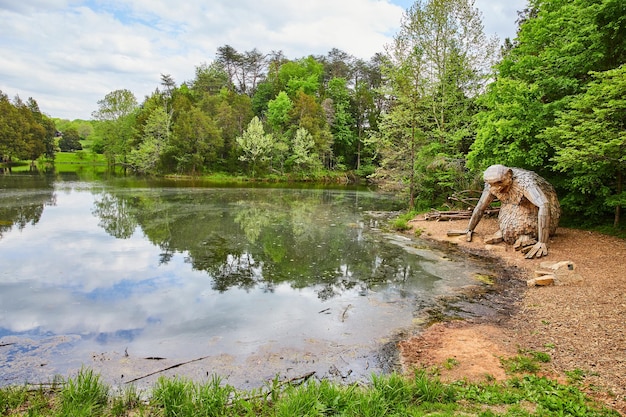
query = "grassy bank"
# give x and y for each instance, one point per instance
(391, 395)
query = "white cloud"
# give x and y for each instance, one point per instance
(68, 54)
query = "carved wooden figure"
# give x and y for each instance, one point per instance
(529, 211)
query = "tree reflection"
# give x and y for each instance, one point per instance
(116, 215)
(258, 238)
(23, 200)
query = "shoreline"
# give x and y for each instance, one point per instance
(579, 321)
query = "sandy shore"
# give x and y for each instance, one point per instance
(580, 321)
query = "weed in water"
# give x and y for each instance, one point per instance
(485, 279)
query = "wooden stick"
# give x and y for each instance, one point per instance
(166, 369)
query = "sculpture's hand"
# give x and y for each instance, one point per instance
(538, 250)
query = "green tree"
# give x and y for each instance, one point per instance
(438, 61)
(156, 134)
(367, 105)
(278, 112)
(256, 145)
(558, 43)
(70, 141)
(342, 124)
(308, 113)
(9, 129)
(195, 141)
(590, 141)
(209, 79)
(303, 157)
(115, 114)
(302, 75)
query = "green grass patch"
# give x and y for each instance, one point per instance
(385, 395)
(401, 223)
(79, 157)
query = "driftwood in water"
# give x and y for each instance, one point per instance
(166, 369)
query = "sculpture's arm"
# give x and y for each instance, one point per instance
(485, 199)
(536, 196)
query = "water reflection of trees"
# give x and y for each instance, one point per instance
(23, 200)
(115, 215)
(257, 238)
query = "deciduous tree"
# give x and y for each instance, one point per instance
(590, 141)
(116, 113)
(256, 145)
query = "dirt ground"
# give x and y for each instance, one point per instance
(580, 321)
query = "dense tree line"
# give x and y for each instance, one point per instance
(25, 132)
(252, 113)
(424, 117)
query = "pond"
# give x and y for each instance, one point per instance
(138, 279)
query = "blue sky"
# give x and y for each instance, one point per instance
(68, 54)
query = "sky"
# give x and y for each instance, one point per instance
(68, 54)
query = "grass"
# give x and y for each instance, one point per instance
(526, 361)
(386, 395)
(401, 223)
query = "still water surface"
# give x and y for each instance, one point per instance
(131, 277)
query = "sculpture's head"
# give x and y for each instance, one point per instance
(498, 177)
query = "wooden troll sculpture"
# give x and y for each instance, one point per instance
(529, 211)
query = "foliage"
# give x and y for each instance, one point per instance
(25, 133)
(116, 113)
(385, 395)
(589, 137)
(438, 63)
(555, 103)
(422, 119)
(256, 144)
(84, 395)
(70, 141)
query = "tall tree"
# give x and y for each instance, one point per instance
(116, 113)
(590, 141)
(195, 141)
(303, 155)
(342, 126)
(256, 145)
(558, 43)
(156, 133)
(438, 61)
(308, 113)
(301, 75)
(210, 79)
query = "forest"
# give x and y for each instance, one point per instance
(422, 118)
